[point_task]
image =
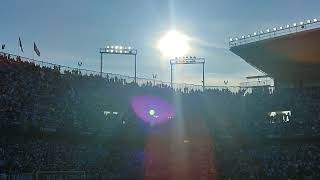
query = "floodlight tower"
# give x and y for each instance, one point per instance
(188, 60)
(120, 50)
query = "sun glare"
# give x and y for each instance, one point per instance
(174, 44)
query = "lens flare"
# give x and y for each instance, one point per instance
(152, 110)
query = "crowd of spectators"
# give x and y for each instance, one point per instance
(273, 161)
(45, 99)
(30, 154)
(303, 104)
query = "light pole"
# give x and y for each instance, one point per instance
(79, 65)
(187, 60)
(120, 50)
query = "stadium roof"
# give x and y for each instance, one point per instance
(290, 57)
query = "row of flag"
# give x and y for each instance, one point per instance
(35, 48)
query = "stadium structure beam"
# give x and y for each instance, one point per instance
(120, 50)
(257, 77)
(187, 60)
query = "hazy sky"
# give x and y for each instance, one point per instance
(68, 31)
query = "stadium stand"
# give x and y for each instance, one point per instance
(56, 120)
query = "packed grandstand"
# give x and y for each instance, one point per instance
(63, 123)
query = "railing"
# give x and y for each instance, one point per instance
(275, 32)
(257, 83)
(127, 79)
(230, 88)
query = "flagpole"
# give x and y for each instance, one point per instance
(18, 48)
(33, 52)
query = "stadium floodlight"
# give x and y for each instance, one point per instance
(296, 25)
(188, 60)
(120, 50)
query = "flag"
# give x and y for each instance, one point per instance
(3, 46)
(20, 44)
(35, 48)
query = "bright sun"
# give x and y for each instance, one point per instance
(174, 44)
